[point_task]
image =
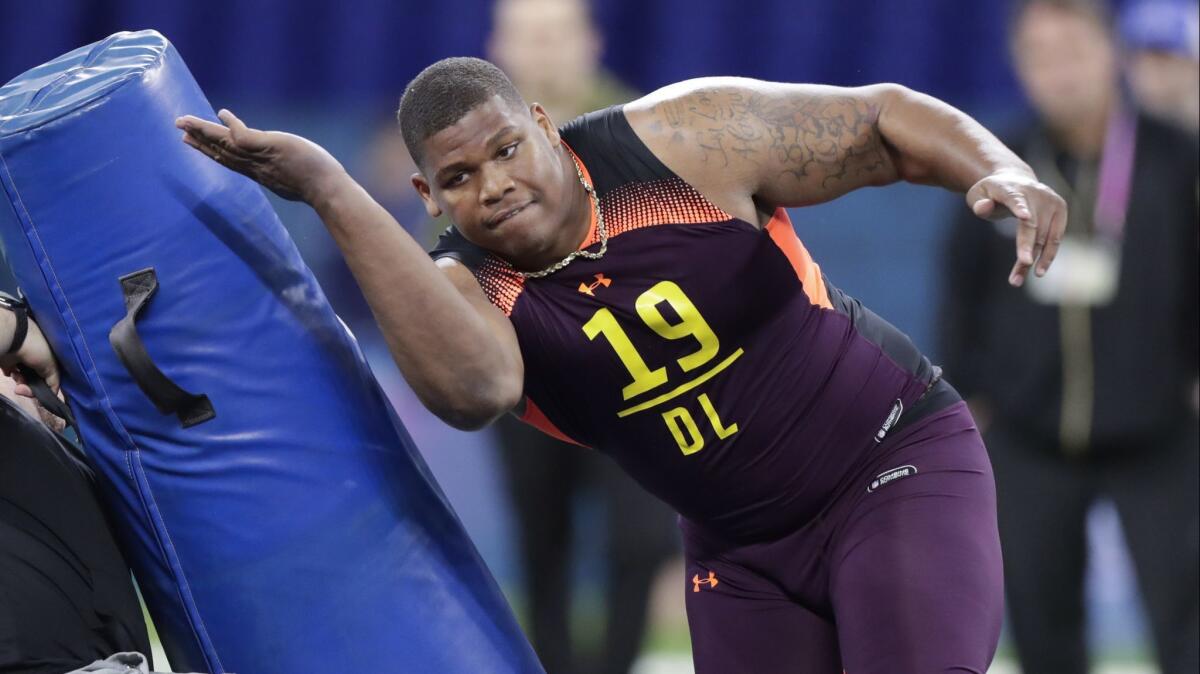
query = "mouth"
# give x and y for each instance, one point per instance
(507, 214)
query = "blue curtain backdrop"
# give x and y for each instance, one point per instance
(368, 49)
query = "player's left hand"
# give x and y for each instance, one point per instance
(295, 168)
(1041, 217)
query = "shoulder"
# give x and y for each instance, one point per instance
(715, 133)
(453, 245)
(613, 152)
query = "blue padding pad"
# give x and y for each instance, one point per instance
(295, 529)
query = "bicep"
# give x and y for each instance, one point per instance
(780, 144)
(498, 323)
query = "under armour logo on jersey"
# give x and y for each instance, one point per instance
(697, 581)
(587, 289)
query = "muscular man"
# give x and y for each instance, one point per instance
(632, 283)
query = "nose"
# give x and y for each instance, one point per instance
(494, 184)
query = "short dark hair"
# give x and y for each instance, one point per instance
(443, 93)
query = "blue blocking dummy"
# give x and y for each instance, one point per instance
(272, 506)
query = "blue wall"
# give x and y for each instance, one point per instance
(368, 49)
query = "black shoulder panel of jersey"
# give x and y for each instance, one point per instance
(612, 152)
(454, 245)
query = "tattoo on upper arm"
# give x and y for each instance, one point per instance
(823, 143)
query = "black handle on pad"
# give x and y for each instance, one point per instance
(191, 408)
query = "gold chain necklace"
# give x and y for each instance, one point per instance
(601, 231)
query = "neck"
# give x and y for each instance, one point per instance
(577, 218)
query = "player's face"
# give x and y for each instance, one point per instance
(497, 174)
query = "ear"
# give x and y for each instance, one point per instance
(422, 187)
(543, 121)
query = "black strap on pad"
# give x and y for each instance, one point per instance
(191, 408)
(43, 394)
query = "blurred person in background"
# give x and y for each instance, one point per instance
(66, 599)
(551, 50)
(1085, 380)
(1161, 39)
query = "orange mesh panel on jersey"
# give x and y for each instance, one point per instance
(500, 282)
(669, 201)
(784, 235)
(535, 417)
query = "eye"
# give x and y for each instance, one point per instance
(507, 151)
(455, 180)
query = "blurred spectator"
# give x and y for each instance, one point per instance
(551, 50)
(1084, 380)
(66, 598)
(1162, 43)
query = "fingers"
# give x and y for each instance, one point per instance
(51, 378)
(1054, 236)
(1015, 202)
(210, 150)
(1027, 228)
(996, 202)
(1016, 278)
(1039, 237)
(219, 152)
(983, 208)
(24, 390)
(202, 130)
(201, 134)
(243, 136)
(1041, 220)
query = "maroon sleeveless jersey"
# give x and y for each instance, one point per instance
(707, 356)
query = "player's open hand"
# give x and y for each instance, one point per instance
(34, 354)
(295, 168)
(1040, 213)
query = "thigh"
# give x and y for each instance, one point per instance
(741, 623)
(916, 576)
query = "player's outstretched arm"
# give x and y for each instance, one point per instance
(457, 351)
(752, 146)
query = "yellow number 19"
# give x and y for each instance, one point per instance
(644, 379)
(691, 324)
